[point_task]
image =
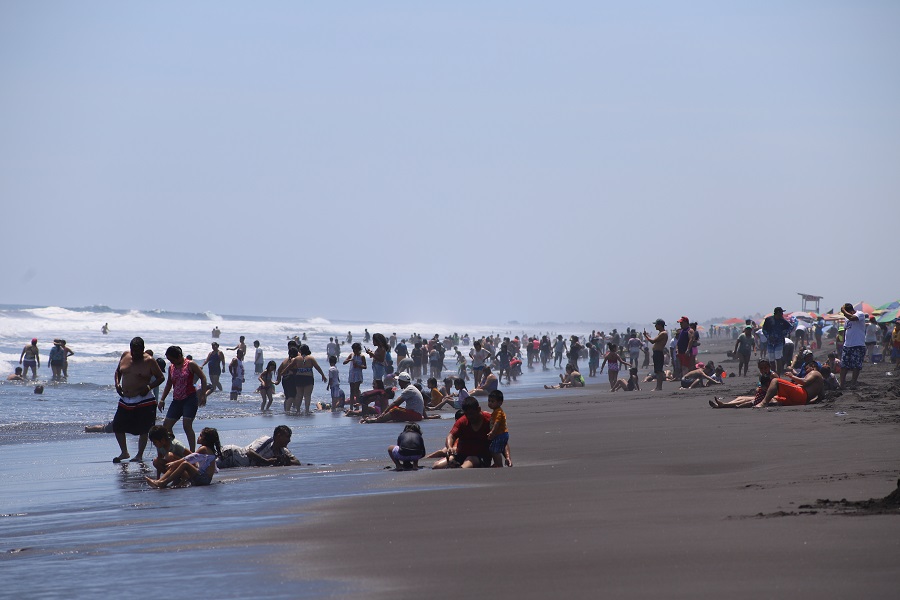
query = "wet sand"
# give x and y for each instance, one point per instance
(623, 495)
(630, 496)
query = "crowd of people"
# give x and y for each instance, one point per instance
(477, 438)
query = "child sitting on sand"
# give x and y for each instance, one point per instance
(410, 448)
(168, 449)
(499, 433)
(197, 468)
(629, 385)
(266, 387)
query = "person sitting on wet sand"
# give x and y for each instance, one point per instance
(489, 383)
(765, 378)
(468, 445)
(796, 391)
(699, 377)
(196, 468)
(629, 385)
(571, 379)
(168, 449)
(409, 395)
(378, 397)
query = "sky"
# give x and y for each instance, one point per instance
(461, 162)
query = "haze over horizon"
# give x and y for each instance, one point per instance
(393, 161)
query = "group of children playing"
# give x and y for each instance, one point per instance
(178, 467)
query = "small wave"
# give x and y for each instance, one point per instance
(318, 321)
(212, 316)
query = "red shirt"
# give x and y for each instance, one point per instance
(470, 442)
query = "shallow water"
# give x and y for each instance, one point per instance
(72, 522)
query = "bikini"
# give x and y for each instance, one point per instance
(304, 377)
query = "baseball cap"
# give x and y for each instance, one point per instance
(684, 320)
(778, 309)
(404, 376)
(34, 340)
(659, 322)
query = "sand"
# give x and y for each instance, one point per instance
(625, 495)
(631, 495)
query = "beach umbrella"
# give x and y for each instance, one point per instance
(886, 307)
(888, 316)
(734, 321)
(834, 317)
(864, 307)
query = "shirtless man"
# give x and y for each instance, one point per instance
(136, 376)
(216, 360)
(795, 391)
(659, 351)
(240, 346)
(30, 358)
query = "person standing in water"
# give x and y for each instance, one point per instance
(30, 358)
(215, 360)
(136, 376)
(186, 400)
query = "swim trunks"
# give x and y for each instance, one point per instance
(659, 361)
(790, 394)
(498, 444)
(775, 352)
(135, 415)
(852, 357)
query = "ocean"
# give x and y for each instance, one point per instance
(66, 509)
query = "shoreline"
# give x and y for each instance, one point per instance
(621, 494)
(632, 495)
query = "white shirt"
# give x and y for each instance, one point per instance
(855, 331)
(871, 333)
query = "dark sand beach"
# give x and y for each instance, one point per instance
(632, 496)
(625, 495)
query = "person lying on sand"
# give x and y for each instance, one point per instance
(699, 377)
(765, 378)
(669, 376)
(571, 379)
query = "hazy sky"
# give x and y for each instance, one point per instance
(457, 162)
